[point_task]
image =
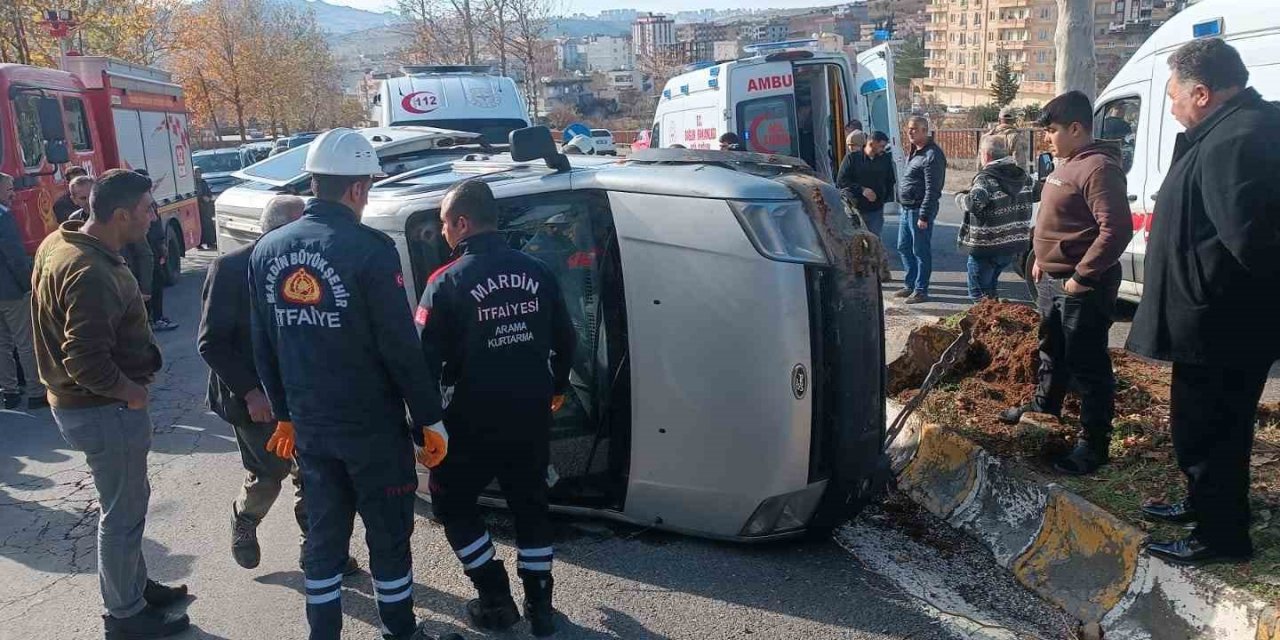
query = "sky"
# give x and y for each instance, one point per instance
(593, 7)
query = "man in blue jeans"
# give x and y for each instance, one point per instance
(918, 194)
(997, 216)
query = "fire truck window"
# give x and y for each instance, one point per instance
(30, 142)
(77, 124)
(768, 125)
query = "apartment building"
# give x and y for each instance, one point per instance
(653, 35)
(608, 53)
(965, 38)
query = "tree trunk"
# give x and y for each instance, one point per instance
(1076, 66)
(208, 100)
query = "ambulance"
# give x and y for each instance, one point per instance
(456, 97)
(1134, 110)
(786, 98)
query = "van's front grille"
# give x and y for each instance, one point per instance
(825, 374)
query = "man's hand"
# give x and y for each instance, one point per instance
(1074, 288)
(435, 445)
(869, 194)
(1036, 273)
(135, 396)
(259, 408)
(923, 225)
(557, 401)
(282, 441)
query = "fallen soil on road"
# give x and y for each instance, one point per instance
(999, 371)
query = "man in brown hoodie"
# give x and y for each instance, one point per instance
(96, 356)
(1081, 231)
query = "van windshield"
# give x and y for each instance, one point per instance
(494, 130)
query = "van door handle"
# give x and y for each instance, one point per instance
(1133, 198)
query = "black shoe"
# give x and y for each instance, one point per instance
(1013, 415)
(148, 623)
(160, 596)
(494, 610)
(917, 297)
(12, 400)
(1083, 460)
(903, 293)
(244, 541)
(1190, 551)
(1176, 513)
(537, 604)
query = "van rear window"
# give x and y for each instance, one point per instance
(768, 125)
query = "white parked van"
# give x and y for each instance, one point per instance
(459, 98)
(1134, 109)
(787, 98)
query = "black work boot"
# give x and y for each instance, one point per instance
(494, 610)
(537, 603)
(1013, 415)
(421, 633)
(146, 624)
(161, 596)
(244, 540)
(1084, 460)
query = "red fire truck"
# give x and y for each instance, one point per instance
(97, 113)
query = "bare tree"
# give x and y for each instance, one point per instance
(1077, 65)
(435, 32)
(532, 20)
(496, 22)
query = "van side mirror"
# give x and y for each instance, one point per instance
(536, 143)
(1044, 165)
(55, 152)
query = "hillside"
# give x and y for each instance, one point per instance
(337, 19)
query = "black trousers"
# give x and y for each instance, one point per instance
(373, 475)
(520, 466)
(1212, 412)
(1073, 346)
(155, 306)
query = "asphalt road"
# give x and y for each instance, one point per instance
(612, 581)
(949, 295)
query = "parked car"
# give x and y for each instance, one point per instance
(218, 165)
(692, 407)
(602, 139)
(255, 134)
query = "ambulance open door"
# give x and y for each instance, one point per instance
(876, 101)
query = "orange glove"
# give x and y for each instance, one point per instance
(281, 442)
(435, 445)
(557, 401)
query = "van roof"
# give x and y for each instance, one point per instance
(422, 97)
(1238, 17)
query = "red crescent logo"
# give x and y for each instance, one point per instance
(420, 102)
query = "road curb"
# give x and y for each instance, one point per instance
(1068, 550)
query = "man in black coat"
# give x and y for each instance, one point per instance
(1209, 301)
(235, 392)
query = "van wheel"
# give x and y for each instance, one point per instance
(173, 267)
(1027, 264)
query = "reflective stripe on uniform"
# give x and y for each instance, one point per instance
(473, 547)
(481, 559)
(538, 559)
(323, 584)
(396, 597)
(387, 585)
(322, 591)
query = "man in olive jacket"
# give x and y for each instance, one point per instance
(1209, 301)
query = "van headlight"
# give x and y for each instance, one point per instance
(781, 231)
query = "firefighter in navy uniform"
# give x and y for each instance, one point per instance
(336, 349)
(492, 320)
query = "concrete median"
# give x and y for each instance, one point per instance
(1068, 550)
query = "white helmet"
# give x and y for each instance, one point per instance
(342, 152)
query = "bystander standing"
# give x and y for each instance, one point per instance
(918, 193)
(1209, 301)
(997, 217)
(1081, 231)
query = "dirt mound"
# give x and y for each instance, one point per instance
(1004, 348)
